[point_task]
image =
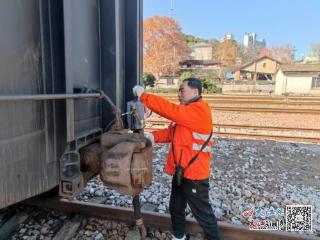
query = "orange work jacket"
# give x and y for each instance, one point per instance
(190, 127)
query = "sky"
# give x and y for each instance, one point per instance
(280, 22)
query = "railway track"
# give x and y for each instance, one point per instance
(259, 104)
(303, 135)
(151, 219)
(72, 227)
(265, 109)
(253, 99)
(294, 119)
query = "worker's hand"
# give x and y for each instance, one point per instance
(149, 136)
(137, 90)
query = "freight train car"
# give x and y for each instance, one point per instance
(54, 57)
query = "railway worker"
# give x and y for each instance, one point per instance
(190, 152)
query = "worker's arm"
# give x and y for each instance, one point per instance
(164, 135)
(186, 115)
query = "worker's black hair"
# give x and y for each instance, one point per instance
(194, 83)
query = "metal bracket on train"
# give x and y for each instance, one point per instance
(71, 179)
(70, 175)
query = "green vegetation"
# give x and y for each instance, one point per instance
(148, 79)
(191, 40)
(185, 75)
(208, 86)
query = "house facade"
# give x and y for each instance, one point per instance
(263, 68)
(203, 68)
(298, 79)
(201, 51)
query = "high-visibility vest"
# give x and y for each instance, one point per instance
(193, 124)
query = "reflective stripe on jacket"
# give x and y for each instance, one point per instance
(193, 124)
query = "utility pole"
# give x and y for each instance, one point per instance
(171, 9)
(174, 49)
(293, 49)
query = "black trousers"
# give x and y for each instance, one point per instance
(196, 194)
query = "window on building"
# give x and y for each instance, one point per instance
(264, 65)
(315, 82)
(170, 81)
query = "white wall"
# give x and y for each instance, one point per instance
(162, 83)
(202, 53)
(280, 83)
(299, 84)
(292, 84)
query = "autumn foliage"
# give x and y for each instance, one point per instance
(164, 46)
(227, 52)
(283, 54)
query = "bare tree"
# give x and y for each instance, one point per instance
(283, 54)
(315, 50)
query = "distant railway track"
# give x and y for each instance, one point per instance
(306, 105)
(254, 99)
(266, 109)
(305, 135)
(160, 221)
(294, 119)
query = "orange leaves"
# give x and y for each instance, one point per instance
(228, 52)
(164, 46)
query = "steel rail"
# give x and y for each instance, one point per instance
(255, 136)
(161, 221)
(166, 122)
(268, 137)
(271, 110)
(254, 100)
(155, 125)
